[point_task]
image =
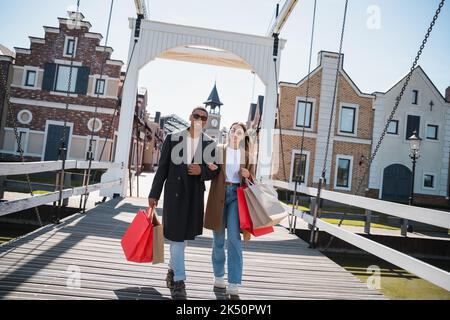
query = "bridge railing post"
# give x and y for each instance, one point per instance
(368, 221)
(404, 228)
(312, 206)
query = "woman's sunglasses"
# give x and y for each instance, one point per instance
(198, 116)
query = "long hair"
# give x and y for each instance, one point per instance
(246, 140)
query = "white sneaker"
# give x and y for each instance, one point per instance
(219, 283)
(233, 289)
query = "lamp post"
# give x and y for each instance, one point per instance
(414, 144)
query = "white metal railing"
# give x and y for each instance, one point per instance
(16, 168)
(428, 216)
(19, 168)
(38, 200)
(422, 269)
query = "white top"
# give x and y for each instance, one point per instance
(233, 165)
(191, 147)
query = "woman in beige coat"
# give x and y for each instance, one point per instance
(222, 207)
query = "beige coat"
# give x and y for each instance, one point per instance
(216, 197)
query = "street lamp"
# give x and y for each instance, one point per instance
(414, 144)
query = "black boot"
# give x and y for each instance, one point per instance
(178, 292)
(169, 279)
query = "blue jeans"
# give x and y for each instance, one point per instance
(234, 246)
(176, 262)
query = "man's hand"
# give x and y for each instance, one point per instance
(212, 166)
(152, 203)
(194, 170)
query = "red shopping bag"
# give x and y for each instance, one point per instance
(137, 242)
(245, 222)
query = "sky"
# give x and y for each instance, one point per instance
(380, 42)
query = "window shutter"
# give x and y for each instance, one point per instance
(82, 80)
(49, 76)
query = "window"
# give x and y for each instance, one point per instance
(70, 47)
(62, 79)
(432, 132)
(304, 111)
(100, 86)
(415, 97)
(413, 124)
(299, 168)
(98, 124)
(30, 79)
(56, 78)
(428, 180)
(24, 116)
(343, 173)
(347, 120)
(22, 137)
(393, 127)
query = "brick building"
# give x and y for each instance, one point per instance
(351, 134)
(6, 73)
(39, 96)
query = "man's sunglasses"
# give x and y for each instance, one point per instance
(198, 116)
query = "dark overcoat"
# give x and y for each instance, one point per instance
(183, 205)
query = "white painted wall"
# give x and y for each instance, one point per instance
(329, 62)
(395, 148)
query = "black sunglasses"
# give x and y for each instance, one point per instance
(198, 116)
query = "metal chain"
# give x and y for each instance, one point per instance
(279, 119)
(394, 109)
(317, 207)
(63, 147)
(111, 126)
(88, 175)
(292, 221)
(19, 141)
(399, 97)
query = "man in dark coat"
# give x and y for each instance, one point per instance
(183, 168)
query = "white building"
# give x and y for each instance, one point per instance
(424, 109)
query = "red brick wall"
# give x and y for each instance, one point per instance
(365, 114)
(78, 118)
(346, 93)
(54, 49)
(87, 54)
(356, 150)
(288, 95)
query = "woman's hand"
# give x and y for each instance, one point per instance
(245, 173)
(212, 166)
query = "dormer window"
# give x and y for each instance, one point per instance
(70, 47)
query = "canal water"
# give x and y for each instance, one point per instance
(393, 282)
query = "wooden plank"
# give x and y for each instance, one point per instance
(102, 289)
(129, 276)
(278, 266)
(192, 264)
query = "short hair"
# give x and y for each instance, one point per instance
(201, 108)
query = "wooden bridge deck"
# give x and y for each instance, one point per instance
(276, 266)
